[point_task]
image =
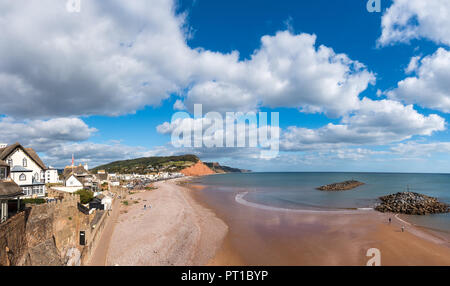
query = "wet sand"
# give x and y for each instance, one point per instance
(267, 237)
(175, 230)
(180, 228)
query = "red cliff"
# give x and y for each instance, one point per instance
(198, 169)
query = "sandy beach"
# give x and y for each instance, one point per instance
(173, 229)
(267, 237)
(341, 240)
(180, 228)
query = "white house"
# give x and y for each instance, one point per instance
(106, 201)
(71, 185)
(72, 181)
(101, 201)
(51, 176)
(27, 169)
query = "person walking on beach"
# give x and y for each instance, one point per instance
(403, 228)
(390, 220)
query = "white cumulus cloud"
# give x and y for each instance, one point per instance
(44, 134)
(111, 58)
(430, 87)
(288, 70)
(406, 20)
(375, 123)
(117, 57)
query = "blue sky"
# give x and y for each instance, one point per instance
(103, 100)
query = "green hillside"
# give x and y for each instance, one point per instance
(149, 165)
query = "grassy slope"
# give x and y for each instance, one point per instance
(145, 165)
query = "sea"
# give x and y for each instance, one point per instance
(297, 191)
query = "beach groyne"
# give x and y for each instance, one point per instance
(412, 204)
(342, 186)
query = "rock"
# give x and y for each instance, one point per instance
(412, 204)
(73, 257)
(44, 253)
(343, 186)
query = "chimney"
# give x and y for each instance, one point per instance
(3, 145)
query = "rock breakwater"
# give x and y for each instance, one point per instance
(342, 186)
(412, 204)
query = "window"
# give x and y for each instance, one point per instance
(10, 162)
(23, 177)
(2, 173)
(24, 161)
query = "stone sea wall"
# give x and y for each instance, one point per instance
(48, 234)
(52, 232)
(13, 244)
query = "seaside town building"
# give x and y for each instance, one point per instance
(9, 191)
(51, 176)
(61, 231)
(101, 202)
(72, 181)
(26, 168)
(102, 176)
(77, 177)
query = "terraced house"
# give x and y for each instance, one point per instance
(26, 169)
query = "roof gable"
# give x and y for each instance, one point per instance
(8, 150)
(76, 170)
(74, 178)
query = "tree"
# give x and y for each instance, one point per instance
(85, 196)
